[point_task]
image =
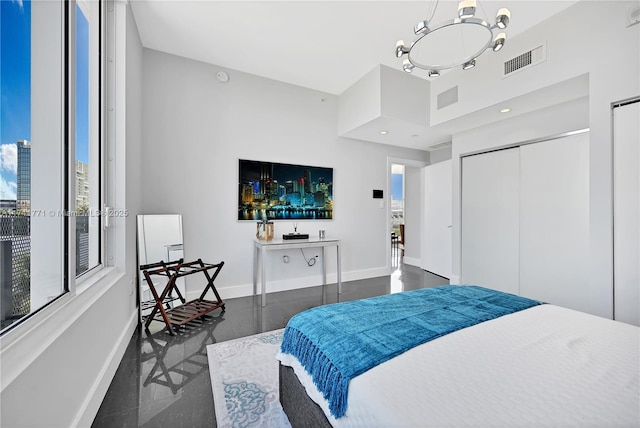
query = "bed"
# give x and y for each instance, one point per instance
(532, 364)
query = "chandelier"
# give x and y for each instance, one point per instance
(454, 43)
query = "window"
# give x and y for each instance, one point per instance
(50, 163)
(397, 197)
(86, 203)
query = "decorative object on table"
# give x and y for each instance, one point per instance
(321, 234)
(277, 191)
(295, 234)
(453, 43)
(265, 230)
(244, 379)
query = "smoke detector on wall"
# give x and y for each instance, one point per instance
(222, 77)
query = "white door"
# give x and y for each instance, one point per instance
(554, 222)
(490, 220)
(626, 211)
(436, 250)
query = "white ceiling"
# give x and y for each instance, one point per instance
(321, 45)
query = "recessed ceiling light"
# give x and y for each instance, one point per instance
(505, 110)
(383, 132)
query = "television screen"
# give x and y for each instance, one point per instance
(278, 191)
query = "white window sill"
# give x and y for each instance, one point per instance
(22, 345)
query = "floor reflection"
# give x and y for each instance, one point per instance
(396, 284)
(174, 361)
(163, 380)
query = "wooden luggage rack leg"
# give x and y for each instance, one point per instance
(187, 311)
(161, 301)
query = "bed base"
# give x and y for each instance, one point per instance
(301, 410)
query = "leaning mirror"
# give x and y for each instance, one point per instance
(159, 239)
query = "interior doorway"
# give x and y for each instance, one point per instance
(397, 213)
(404, 200)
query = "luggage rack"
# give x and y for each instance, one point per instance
(187, 311)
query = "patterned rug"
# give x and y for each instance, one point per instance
(244, 378)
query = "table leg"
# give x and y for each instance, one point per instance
(324, 268)
(263, 254)
(339, 269)
(255, 269)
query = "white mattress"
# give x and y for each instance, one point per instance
(544, 366)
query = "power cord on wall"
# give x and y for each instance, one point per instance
(311, 261)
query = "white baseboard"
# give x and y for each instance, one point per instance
(412, 261)
(366, 274)
(455, 279)
(243, 290)
(98, 391)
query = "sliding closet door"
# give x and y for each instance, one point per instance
(626, 211)
(554, 221)
(490, 220)
(436, 253)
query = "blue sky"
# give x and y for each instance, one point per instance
(82, 87)
(396, 187)
(15, 84)
(15, 78)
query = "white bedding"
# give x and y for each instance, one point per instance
(544, 366)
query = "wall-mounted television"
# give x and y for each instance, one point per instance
(279, 191)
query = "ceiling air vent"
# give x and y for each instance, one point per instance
(525, 60)
(448, 97)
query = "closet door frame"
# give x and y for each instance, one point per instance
(623, 292)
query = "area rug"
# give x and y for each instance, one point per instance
(244, 378)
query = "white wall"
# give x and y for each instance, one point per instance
(387, 99)
(196, 129)
(440, 155)
(360, 103)
(403, 96)
(590, 37)
(58, 365)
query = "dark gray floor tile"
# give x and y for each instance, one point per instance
(163, 380)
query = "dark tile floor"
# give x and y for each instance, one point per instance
(163, 380)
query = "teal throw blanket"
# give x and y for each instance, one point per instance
(338, 342)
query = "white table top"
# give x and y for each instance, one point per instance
(310, 242)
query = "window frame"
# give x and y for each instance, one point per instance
(86, 279)
(72, 285)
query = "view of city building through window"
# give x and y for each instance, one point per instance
(31, 225)
(397, 197)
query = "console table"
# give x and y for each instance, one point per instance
(260, 253)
